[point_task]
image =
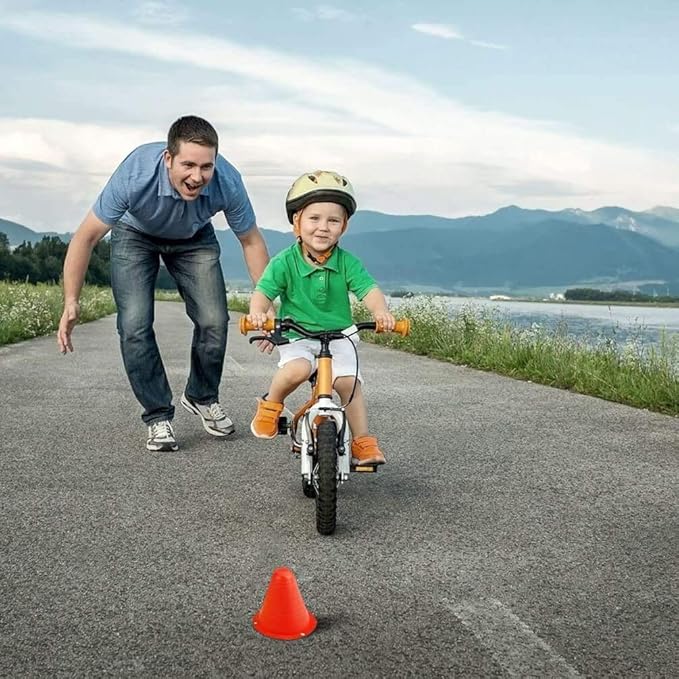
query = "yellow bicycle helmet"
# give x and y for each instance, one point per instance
(320, 186)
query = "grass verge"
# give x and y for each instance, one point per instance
(637, 375)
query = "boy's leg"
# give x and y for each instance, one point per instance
(288, 377)
(364, 448)
(134, 266)
(269, 408)
(356, 411)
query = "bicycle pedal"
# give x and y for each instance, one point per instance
(364, 468)
(283, 425)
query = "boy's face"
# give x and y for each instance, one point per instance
(321, 226)
(191, 169)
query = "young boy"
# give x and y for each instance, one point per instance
(313, 279)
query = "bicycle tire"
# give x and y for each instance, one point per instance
(326, 496)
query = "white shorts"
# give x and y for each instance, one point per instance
(343, 353)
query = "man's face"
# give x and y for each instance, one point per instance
(191, 169)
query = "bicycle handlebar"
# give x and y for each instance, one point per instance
(402, 327)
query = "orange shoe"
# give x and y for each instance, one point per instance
(265, 423)
(364, 450)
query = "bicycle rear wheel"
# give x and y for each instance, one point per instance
(326, 497)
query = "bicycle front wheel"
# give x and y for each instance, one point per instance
(326, 497)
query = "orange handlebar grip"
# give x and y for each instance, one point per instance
(245, 326)
(402, 326)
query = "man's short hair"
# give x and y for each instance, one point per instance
(191, 129)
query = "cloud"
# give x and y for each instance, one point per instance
(160, 13)
(538, 189)
(487, 45)
(449, 32)
(54, 169)
(407, 148)
(439, 30)
(324, 13)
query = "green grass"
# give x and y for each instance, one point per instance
(236, 302)
(239, 303)
(28, 311)
(644, 377)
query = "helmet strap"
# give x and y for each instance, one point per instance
(316, 259)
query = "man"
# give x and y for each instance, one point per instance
(159, 203)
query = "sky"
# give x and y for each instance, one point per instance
(450, 108)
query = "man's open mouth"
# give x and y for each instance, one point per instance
(192, 187)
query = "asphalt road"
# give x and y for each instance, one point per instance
(516, 530)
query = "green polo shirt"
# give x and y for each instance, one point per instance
(315, 297)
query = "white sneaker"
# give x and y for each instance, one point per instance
(161, 437)
(213, 416)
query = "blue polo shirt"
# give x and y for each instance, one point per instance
(139, 194)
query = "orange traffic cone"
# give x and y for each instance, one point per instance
(283, 614)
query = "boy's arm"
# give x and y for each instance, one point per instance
(358, 281)
(261, 307)
(260, 304)
(376, 304)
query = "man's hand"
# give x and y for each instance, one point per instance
(89, 233)
(68, 321)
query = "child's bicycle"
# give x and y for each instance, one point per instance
(319, 432)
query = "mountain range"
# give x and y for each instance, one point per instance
(512, 249)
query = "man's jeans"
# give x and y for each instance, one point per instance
(194, 265)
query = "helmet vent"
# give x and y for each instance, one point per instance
(313, 178)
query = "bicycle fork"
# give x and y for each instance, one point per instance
(324, 408)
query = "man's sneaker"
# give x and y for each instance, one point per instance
(264, 425)
(213, 416)
(364, 450)
(161, 437)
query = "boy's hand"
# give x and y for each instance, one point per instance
(385, 321)
(257, 319)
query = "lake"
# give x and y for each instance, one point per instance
(622, 324)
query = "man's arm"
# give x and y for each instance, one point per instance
(256, 258)
(254, 252)
(89, 233)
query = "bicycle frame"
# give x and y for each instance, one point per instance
(305, 438)
(321, 406)
(321, 418)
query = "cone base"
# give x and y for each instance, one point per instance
(306, 630)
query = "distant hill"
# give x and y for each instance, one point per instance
(18, 233)
(661, 223)
(509, 249)
(670, 213)
(546, 253)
